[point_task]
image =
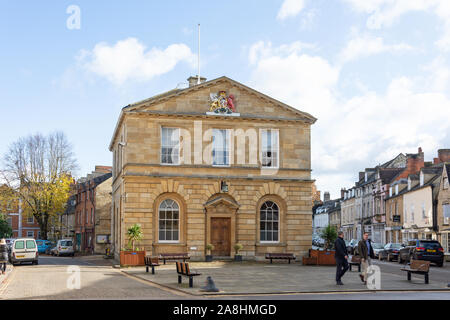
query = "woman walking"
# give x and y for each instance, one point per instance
(3, 255)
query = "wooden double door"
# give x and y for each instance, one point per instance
(221, 236)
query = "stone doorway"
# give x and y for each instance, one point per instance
(221, 236)
(220, 230)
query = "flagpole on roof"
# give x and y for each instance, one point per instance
(198, 75)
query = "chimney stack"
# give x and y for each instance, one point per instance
(343, 192)
(444, 155)
(361, 175)
(326, 196)
(103, 169)
(193, 80)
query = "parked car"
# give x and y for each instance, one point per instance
(24, 250)
(390, 251)
(9, 243)
(351, 246)
(50, 247)
(428, 250)
(377, 247)
(63, 247)
(43, 245)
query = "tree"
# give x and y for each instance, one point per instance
(329, 234)
(134, 234)
(5, 228)
(39, 171)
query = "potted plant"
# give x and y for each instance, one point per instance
(238, 247)
(326, 257)
(208, 248)
(132, 256)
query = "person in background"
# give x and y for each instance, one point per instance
(3, 255)
(366, 253)
(341, 256)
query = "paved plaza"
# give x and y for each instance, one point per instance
(264, 278)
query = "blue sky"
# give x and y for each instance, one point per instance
(374, 72)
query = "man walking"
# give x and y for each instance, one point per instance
(365, 251)
(341, 257)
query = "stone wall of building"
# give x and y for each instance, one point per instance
(143, 194)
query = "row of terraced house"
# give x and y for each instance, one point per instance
(402, 199)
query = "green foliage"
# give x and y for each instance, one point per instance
(209, 247)
(238, 247)
(134, 234)
(329, 234)
(5, 229)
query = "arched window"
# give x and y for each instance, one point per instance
(269, 222)
(169, 221)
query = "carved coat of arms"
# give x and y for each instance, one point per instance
(221, 103)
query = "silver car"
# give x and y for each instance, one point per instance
(63, 247)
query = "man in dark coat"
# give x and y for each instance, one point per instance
(341, 256)
(365, 250)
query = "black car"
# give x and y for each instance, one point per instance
(390, 251)
(428, 250)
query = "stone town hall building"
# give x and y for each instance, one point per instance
(217, 162)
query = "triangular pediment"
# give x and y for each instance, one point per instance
(198, 99)
(221, 201)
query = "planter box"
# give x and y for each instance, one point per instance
(208, 258)
(238, 258)
(132, 258)
(314, 253)
(326, 258)
(309, 261)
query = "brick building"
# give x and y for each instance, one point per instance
(218, 163)
(93, 211)
(22, 225)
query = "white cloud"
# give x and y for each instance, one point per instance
(383, 13)
(363, 46)
(312, 76)
(290, 8)
(129, 59)
(358, 131)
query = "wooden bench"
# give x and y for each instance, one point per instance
(355, 261)
(285, 256)
(174, 256)
(151, 262)
(183, 270)
(419, 267)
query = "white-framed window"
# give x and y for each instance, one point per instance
(396, 189)
(169, 221)
(221, 147)
(92, 215)
(445, 183)
(269, 222)
(30, 220)
(30, 234)
(270, 148)
(9, 221)
(446, 212)
(170, 146)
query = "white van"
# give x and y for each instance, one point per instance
(24, 250)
